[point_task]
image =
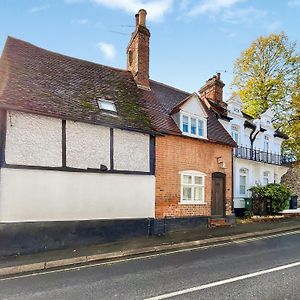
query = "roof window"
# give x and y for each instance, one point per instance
(107, 105)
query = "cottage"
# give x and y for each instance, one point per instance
(91, 153)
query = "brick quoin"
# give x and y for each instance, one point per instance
(175, 154)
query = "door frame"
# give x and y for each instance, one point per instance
(223, 176)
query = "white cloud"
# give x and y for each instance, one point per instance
(80, 21)
(36, 9)
(156, 9)
(273, 26)
(294, 3)
(243, 15)
(108, 50)
(212, 6)
(228, 11)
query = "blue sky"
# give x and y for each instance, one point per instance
(190, 39)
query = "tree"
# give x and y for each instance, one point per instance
(292, 125)
(267, 75)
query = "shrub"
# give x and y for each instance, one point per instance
(279, 195)
(271, 198)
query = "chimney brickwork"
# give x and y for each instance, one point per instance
(138, 52)
(213, 89)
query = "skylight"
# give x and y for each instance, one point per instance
(107, 105)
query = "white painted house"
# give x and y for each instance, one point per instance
(257, 159)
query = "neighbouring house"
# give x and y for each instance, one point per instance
(91, 153)
(257, 158)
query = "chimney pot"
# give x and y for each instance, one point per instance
(142, 17)
(219, 76)
(137, 20)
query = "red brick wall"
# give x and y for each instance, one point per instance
(175, 154)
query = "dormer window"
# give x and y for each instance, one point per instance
(194, 126)
(235, 133)
(266, 143)
(107, 105)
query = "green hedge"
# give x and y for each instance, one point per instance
(271, 198)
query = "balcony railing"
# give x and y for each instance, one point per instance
(261, 156)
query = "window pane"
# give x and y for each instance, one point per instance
(187, 193)
(185, 124)
(243, 180)
(242, 185)
(235, 136)
(198, 193)
(266, 180)
(200, 127)
(107, 105)
(193, 126)
(187, 179)
(242, 190)
(198, 180)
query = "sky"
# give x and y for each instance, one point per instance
(190, 40)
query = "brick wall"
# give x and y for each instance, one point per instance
(138, 56)
(175, 154)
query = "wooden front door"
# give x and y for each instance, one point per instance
(218, 194)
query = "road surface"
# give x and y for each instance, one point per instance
(267, 268)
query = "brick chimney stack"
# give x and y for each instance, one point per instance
(213, 89)
(138, 51)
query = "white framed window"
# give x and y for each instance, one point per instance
(185, 124)
(192, 187)
(276, 178)
(235, 133)
(243, 182)
(266, 143)
(266, 177)
(193, 126)
(200, 127)
(107, 105)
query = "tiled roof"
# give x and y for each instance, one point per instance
(43, 82)
(165, 98)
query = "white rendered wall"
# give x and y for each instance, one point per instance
(88, 146)
(193, 107)
(254, 177)
(39, 195)
(131, 151)
(33, 140)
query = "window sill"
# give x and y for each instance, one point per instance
(192, 202)
(195, 136)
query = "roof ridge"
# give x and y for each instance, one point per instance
(169, 86)
(60, 54)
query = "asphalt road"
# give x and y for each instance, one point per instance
(212, 273)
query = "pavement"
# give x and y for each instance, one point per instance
(197, 238)
(265, 267)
